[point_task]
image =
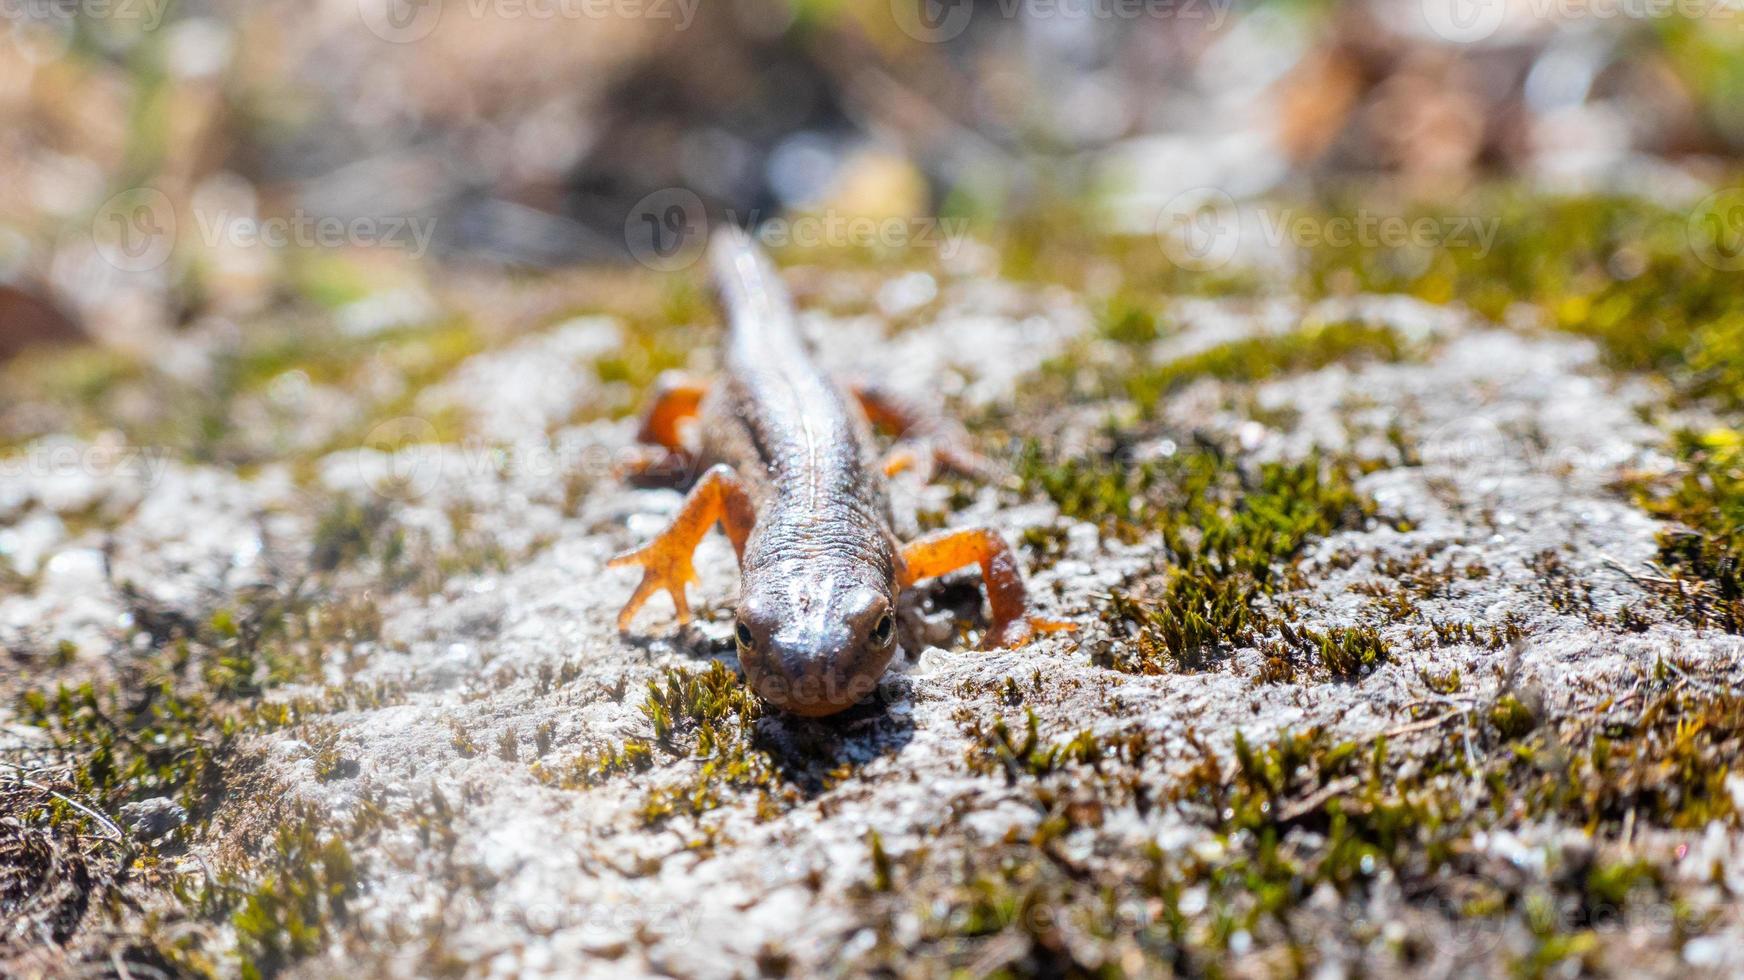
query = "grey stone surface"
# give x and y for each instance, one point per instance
(1521, 437)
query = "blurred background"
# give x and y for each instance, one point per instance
(177, 166)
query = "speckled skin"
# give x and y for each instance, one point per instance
(821, 566)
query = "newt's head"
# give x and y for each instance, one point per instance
(814, 641)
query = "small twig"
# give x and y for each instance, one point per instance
(1637, 579)
(110, 825)
(1421, 725)
(1317, 799)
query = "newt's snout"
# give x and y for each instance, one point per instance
(817, 649)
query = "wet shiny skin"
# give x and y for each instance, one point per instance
(793, 479)
(820, 567)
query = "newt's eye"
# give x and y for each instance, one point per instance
(743, 635)
(885, 631)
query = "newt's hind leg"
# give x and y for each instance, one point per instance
(676, 399)
(717, 497)
(947, 551)
(920, 433)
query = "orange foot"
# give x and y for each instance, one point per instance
(666, 560)
(1015, 633)
(947, 551)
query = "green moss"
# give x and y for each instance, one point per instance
(1620, 270)
(589, 769)
(1260, 358)
(1471, 634)
(706, 715)
(709, 716)
(298, 899)
(461, 741)
(995, 749)
(1059, 240)
(880, 862)
(1229, 537)
(1444, 683)
(650, 348)
(172, 722)
(1089, 372)
(1349, 652)
(352, 529)
(1645, 282)
(1704, 545)
(1304, 818)
(1129, 321)
(1511, 718)
(1230, 531)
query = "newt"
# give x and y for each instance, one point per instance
(793, 478)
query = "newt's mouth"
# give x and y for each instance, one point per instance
(814, 683)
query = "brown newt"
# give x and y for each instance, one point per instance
(794, 480)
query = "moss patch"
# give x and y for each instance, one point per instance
(1228, 538)
(1298, 833)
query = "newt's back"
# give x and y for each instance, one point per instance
(794, 483)
(775, 416)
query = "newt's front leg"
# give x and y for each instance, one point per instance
(718, 496)
(947, 551)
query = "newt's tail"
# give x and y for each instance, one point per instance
(758, 308)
